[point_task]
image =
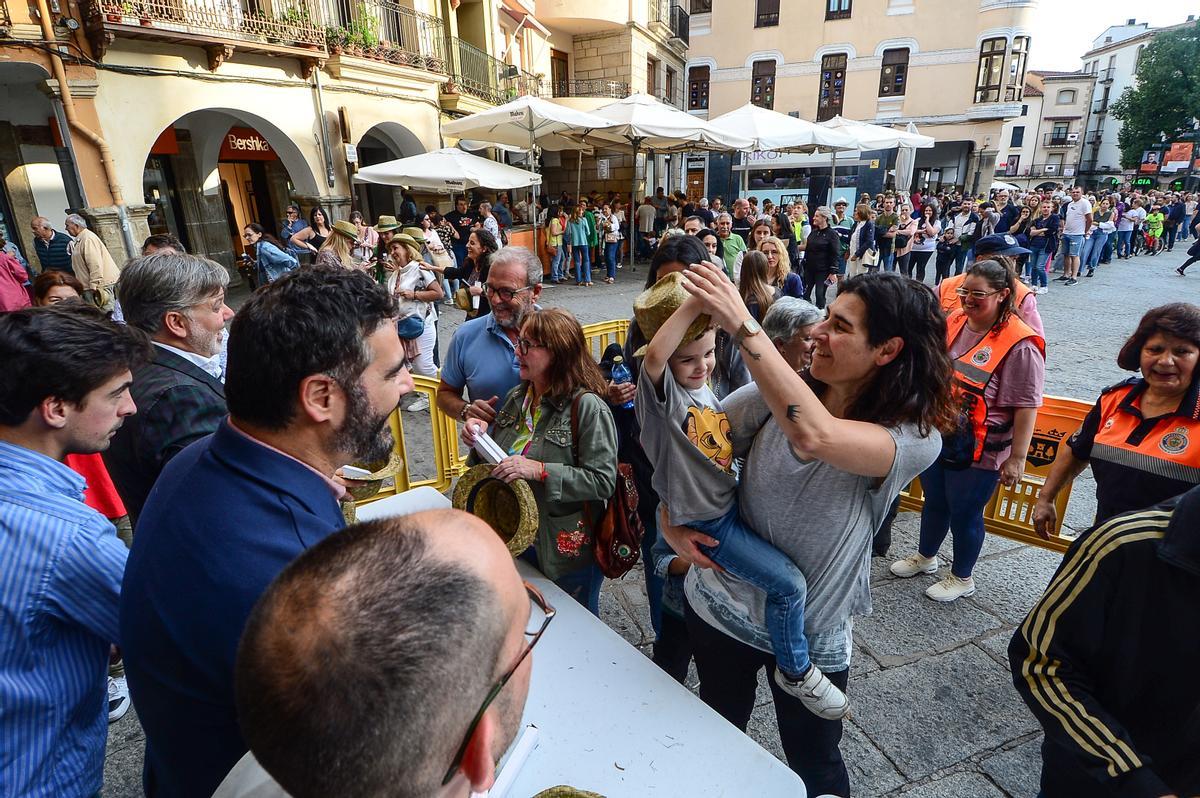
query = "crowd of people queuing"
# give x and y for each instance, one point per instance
(171, 485)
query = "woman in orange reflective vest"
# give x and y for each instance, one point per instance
(999, 369)
(1142, 438)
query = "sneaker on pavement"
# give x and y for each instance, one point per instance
(118, 698)
(1180, 271)
(951, 588)
(422, 403)
(818, 695)
(1072, 281)
(915, 564)
(1061, 279)
(1090, 273)
(1043, 289)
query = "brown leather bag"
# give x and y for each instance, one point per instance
(617, 532)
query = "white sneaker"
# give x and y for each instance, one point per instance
(118, 698)
(1042, 289)
(818, 695)
(422, 403)
(951, 588)
(915, 564)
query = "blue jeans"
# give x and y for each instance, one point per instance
(557, 263)
(754, 560)
(583, 263)
(582, 585)
(888, 261)
(954, 502)
(1099, 241)
(1037, 268)
(1123, 243)
(964, 257)
(611, 248)
(1085, 251)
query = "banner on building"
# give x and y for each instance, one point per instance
(1150, 162)
(602, 171)
(245, 144)
(1178, 157)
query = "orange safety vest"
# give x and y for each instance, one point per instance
(972, 373)
(1170, 449)
(950, 301)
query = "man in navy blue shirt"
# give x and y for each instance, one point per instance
(233, 509)
(53, 247)
(63, 562)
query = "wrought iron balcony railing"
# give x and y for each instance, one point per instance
(1060, 140)
(298, 24)
(387, 31)
(680, 24)
(474, 72)
(589, 88)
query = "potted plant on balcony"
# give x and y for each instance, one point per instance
(144, 15)
(337, 39)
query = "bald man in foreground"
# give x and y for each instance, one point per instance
(364, 667)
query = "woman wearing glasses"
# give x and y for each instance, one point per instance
(571, 463)
(271, 262)
(473, 271)
(999, 370)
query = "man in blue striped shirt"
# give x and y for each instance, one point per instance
(65, 390)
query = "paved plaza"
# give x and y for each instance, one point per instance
(934, 712)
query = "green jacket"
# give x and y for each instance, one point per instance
(593, 228)
(563, 543)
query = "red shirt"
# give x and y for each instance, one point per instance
(101, 495)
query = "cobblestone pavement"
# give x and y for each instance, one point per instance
(934, 712)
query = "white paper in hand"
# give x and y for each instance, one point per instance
(488, 449)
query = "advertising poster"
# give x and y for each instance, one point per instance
(1149, 162)
(1178, 157)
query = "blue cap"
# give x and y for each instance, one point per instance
(998, 245)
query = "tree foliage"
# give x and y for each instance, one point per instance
(1166, 97)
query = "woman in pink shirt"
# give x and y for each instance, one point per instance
(13, 277)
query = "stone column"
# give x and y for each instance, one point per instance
(204, 214)
(105, 222)
(337, 206)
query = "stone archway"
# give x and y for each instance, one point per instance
(385, 141)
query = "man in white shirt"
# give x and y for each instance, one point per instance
(179, 300)
(1133, 216)
(1077, 226)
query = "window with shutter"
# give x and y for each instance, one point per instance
(893, 74)
(762, 84)
(833, 86)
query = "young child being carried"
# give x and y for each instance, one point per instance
(686, 435)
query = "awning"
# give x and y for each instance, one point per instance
(519, 14)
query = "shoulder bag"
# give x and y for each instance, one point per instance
(617, 532)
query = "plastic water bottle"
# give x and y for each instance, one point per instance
(621, 375)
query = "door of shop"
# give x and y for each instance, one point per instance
(245, 188)
(159, 189)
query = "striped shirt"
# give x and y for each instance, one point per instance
(61, 566)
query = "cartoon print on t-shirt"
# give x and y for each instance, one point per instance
(709, 431)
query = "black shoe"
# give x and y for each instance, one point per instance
(1090, 272)
(1181, 271)
(1072, 281)
(1062, 279)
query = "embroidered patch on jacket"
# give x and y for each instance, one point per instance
(1174, 441)
(570, 542)
(982, 356)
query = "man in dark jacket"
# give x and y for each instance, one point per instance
(1107, 659)
(230, 512)
(179, 301)
(1176, 214)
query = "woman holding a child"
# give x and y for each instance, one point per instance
(826, 452)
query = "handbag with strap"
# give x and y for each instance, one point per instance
(617, 532)
(870, 258)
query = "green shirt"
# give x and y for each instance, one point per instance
(1154, 224)
(732, 246)
(564, 543)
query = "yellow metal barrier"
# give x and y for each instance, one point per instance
(449, 461)
(1009, 513)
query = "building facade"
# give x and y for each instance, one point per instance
(1113, 59)
(956, 68)
(1044, 145)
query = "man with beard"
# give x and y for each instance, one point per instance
(483, 352)
(179, 301)
(315, 368)
(65, 390)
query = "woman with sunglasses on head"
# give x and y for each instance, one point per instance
(999, 371)
(568, 458)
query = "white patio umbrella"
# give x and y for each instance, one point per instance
(1002, 186)
(528, 122)
(906, 161)
(448, 170)
(771, 130)
(875, 137)
(642, 121)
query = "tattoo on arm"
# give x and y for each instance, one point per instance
(793, 413)
(749, 352)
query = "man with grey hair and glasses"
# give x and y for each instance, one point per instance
(483, 356)
(179, 301)
(92, 264)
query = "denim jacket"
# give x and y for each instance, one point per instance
(273, 262)
(564, 543)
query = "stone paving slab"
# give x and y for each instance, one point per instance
(1017, 770)
(906, 625)
(1004, 585)
(941, 710)
(957, 785)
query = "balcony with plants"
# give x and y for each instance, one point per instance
(385, 31)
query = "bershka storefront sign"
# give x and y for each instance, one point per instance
(245, 144)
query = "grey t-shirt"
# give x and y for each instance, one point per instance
(820, 516)
(686, 436)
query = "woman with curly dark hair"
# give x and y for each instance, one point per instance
(826, 452)
(999, 371)
(1137, 437)
(473, 271)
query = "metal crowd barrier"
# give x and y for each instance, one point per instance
(1009, 513)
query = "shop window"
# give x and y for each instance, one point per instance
(837, 9)
(833, 86)
(762, 85)
(766, 13)
(1018, 136)
(893, 74)
(698, 88)
(990, 80)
